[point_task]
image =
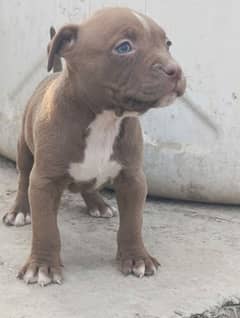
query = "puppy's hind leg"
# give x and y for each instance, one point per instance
(19, 214)
(96, 206)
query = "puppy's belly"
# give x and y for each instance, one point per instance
(97, 163)
(101, 171)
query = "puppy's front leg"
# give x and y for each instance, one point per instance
(43, 265)
(131, 192)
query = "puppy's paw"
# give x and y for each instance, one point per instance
(16, 218)
(106, 212)
(139, 266)
(41, 273)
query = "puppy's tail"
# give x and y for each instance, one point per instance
(57, 63)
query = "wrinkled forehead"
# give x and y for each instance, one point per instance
(148, 24)
(109, 22)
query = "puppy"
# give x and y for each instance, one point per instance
(81, 130)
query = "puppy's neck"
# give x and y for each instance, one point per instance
(75, 89)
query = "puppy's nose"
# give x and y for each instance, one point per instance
(172, 69)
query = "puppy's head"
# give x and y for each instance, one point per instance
(121, 59)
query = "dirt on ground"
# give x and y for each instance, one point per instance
(198, 247)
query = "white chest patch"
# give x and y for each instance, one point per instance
(99, 148)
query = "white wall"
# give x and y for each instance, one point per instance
(192, 147)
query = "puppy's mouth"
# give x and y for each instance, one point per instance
(134, 103)
(181, 86)
(143, 103)
(135, 106)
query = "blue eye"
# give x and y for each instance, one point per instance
(124, 48)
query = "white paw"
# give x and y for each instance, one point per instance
(43, 278)
(94, 212)
(108, 213)
(41, 275)
(19, 219)
(30, 277)
(139, 270)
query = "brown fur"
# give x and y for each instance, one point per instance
(55, 128)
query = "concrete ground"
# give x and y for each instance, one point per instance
(198, 246)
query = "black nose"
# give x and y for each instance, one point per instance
(172, 69)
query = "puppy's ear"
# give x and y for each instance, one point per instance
(62, 43)
(52, 32)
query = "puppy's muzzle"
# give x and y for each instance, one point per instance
(174, 74)
(172, 70)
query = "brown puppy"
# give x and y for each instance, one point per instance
(81, 130)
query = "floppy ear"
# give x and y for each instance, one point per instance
(52, 34)
(62, 43)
